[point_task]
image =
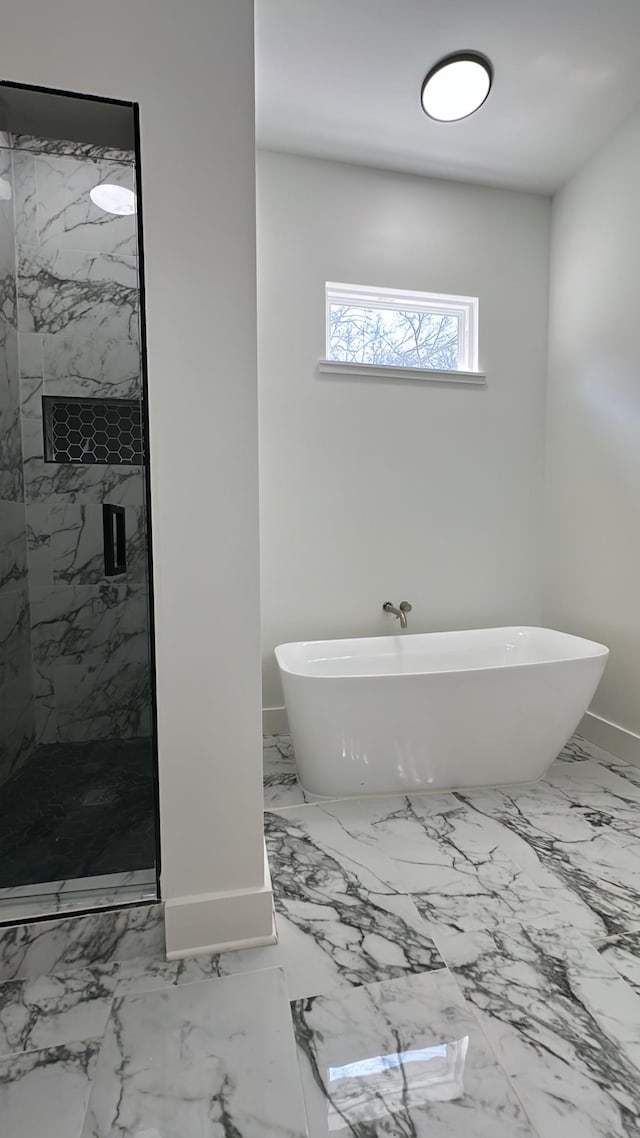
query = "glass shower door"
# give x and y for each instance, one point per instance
(77, 809)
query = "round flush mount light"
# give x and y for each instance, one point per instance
(457, 86)
(113, 199)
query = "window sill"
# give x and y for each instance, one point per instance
(376, 371)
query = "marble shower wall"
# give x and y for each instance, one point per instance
(16, 688)
(77, 313)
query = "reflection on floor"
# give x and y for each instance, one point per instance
(450, 965)
(77, 810)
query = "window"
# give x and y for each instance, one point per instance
(387, 328)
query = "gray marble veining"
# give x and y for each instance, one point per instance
(69, 622)
(13, 546)
(77, 544)
(457, 865)
(25, 198)
(46, 1092)
(403, 1057)
(7, 242)
(594, 868)
(577, 750)
(103, 700)
(73, 1004)
(14, 621)
(45, 947)
(62, 483)
(563, 1025)
(17, 726)
(95, 367)
(622, 953)
(89, 643)
(502, 1006)
(11, 474)
(281, 786)
(68, 218)
(345, 923)
(45, 1011)
(91, 293)
(209, 1059)
(38, 535)
(82, 150)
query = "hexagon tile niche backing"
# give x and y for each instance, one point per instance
(92, 430)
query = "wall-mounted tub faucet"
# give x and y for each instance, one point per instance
(400, 612)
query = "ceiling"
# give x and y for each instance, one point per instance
(341, 79)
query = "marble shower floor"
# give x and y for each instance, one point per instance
(456, 964)
(78, 810)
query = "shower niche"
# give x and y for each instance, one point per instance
(78, 816)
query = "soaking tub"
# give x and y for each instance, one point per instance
(435, 711)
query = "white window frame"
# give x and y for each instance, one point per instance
(465, 308)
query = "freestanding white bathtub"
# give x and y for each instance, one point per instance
(434, 711)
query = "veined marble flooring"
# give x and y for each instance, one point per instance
(448, 965)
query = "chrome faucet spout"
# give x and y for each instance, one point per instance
(400, 613)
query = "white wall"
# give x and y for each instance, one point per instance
(373, 490)
(190, 65)
(592, 582)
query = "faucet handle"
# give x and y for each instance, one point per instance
(405, 606)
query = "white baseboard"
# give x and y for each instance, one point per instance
(617, 740)
(274, 721)
(220, 922)
(228, 946)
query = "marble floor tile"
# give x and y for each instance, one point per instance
(622, 953)
(596, 874)
(340, 921)
(317, 955)
(464, 870)
(309, 968)
(136, 976)
(623, 770)
(607, 791)
(45, 1011)
(620, 823)
(44, 1094)
(578, 749)
(456, 864)
(403, 1057)
(590, 779)
(563, 1024)
(281, 786)
(338, 830)
(51, 946)
(205, 1059)
(133, 977)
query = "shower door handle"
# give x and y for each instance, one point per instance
(115, 540)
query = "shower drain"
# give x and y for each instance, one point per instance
(99, 796)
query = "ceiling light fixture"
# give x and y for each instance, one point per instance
(457, 86)
(113, 199)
